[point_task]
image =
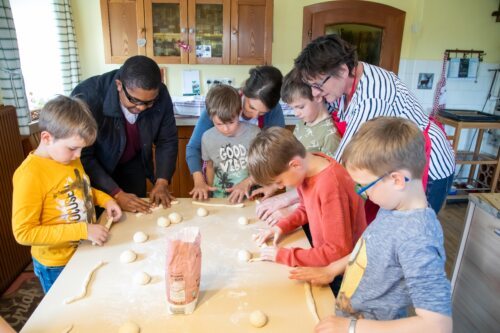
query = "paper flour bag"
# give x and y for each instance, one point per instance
(183, 271)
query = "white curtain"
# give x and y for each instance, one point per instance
(11, 77)
(70, 64)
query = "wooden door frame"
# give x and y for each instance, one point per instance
(390, 19)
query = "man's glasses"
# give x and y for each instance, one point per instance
(361, 190)
(136, 101)
(318, 86)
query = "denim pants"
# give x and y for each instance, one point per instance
(46, 274)
(437, 190)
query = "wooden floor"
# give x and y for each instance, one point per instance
(452, 218)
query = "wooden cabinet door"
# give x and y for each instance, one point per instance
(251, 32)
(123, 29)
(209, 29)
(166, 29)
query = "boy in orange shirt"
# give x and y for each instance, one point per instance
(53, 203)
(327, 199)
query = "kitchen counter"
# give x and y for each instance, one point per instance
(191, 121)
(230, 289)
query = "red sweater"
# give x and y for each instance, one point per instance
(335, 213)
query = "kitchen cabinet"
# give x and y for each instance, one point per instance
(189, 31)
(476, 276)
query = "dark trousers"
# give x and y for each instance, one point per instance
(336, 283)
(437, 190)
(131, 176)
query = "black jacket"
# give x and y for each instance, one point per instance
(156, 126)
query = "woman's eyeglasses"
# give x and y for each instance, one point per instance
(318, 86)
(361, 190)
(136, 101)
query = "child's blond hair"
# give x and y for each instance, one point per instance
(64, 117)
(270, 152)
(387, 144)
(224, 102)
(293, 87)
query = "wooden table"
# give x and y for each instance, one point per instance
(475, 157)
(230, 290)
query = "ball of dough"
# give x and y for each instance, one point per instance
(127, 256)
(244, 255)
(242, 220)
(163, 221)
(175, 217)
(140, 237)
(129, 327)
(201, 212)
(258, 318)
(141, 278)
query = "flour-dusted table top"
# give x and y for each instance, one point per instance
(230, 290)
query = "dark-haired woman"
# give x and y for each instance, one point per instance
(260, 99)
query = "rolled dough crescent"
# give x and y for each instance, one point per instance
(207, 204)
(310, 301)
(85, 285)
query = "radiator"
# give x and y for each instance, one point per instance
(13, 257)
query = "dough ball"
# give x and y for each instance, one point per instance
(127, 256)
(201, 212)
(141, 278)
(175, 217)
(258, 318)
(244, 255)
(174, 202)
(163, 221)
(140, 237)
(242, 220)
(129, 327)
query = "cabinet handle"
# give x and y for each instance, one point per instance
(141, 42)
(183, 30)
(191, 30)
(234, 32)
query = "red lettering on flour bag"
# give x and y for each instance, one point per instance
(183, 270)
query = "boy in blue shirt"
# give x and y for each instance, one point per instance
(399, 260)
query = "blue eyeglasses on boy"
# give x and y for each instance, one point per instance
(361, 190)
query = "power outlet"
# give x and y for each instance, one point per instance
(219, 80)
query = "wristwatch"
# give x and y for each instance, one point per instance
(352, 325)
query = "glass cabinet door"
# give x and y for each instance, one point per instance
(166, 30)
(208, 22)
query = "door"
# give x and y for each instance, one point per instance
(375, 29)
(166, 30)
(209, 31)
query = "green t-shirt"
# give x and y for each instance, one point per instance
(322, 137)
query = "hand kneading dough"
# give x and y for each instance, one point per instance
(141, 278)
(163, 221)
(140, 237)
(242, 220)
(129, 327)
(244, 255)
(258, 318)
(127, 256)
(201, 212)
(175, 217)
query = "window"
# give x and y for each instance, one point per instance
(36, 32)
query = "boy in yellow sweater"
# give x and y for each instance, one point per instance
(53, 203)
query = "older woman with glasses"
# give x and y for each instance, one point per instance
(359, 92)
(260, 97)
(133, 110)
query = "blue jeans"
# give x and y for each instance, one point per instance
(46, 274)
(437, 190)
